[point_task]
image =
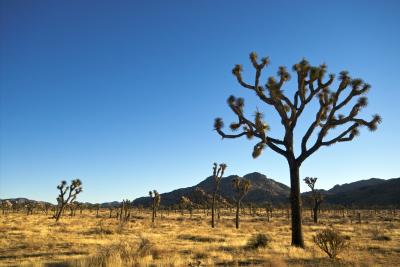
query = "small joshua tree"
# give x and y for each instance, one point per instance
(67, 195)
(242, 187)
(155, 203)
(331, 114)
(268, 210)
(96, 207)
(124, 213)
(72, 208)
(317, 197)
(186, 203)
(30, 206)
(46, 207)
(218, 172)
(6, 206)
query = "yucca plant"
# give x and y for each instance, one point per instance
(241, 187)
(317, 197)
(155, 203)
(124, 212)
(186, 203)
(268, 210)
(331, 114)
(218, 172)
(68, 194)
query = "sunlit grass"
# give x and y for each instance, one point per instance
(176, 240)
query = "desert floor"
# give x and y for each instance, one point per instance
(178, 240)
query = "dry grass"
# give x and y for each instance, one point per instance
(84, 240)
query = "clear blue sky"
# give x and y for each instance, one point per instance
(122, 94)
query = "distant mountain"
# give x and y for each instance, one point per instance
(355, 185)
(20, 200)
(262, 190)
(110, 204)
(366, 193)
(363, 193)
(23, 200)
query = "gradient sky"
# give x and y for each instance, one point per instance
(123, 94)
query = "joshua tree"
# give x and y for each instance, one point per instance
(46, 207)
(97, 208)
(81, 206)
(67, 195)
(72, 208)
(268, 210)
(317, 197)
(311, 85)
(242, 187)
(30, 205)
(155, 203)
(186, 203)
(124, 213)
(110, 208)
(218, 172)
(6, 205)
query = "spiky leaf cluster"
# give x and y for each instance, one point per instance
(218, 172)
(242, 187)
(156, 197)
(317, 196)
(68, 193)
(311, 84)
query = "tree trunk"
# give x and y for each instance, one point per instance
(213, 211)
(315, 211)
(237, 214)
(295, 201)
(60, 211)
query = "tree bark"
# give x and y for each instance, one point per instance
(315, 214)
(295, 201)
(153, 215)
(237, 214)
(213, 211)
(60, 211)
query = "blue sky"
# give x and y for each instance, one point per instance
(122, 94)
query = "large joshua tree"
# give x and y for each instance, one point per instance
(67, 195)
(241, 187)
(317, 197)
(218, 172)
(311, 84)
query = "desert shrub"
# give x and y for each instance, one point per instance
(259, 219)
(258, 241)
(383, 238)
(195, 264)
(121, 226)
(378, 234)
(197, 238)
(144, 247)
(122, 254)
(100, 229)
(331, 242)
(346, 237)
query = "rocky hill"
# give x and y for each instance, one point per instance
(262, 190)
(366, 193)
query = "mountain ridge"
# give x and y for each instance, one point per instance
(372, 191)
